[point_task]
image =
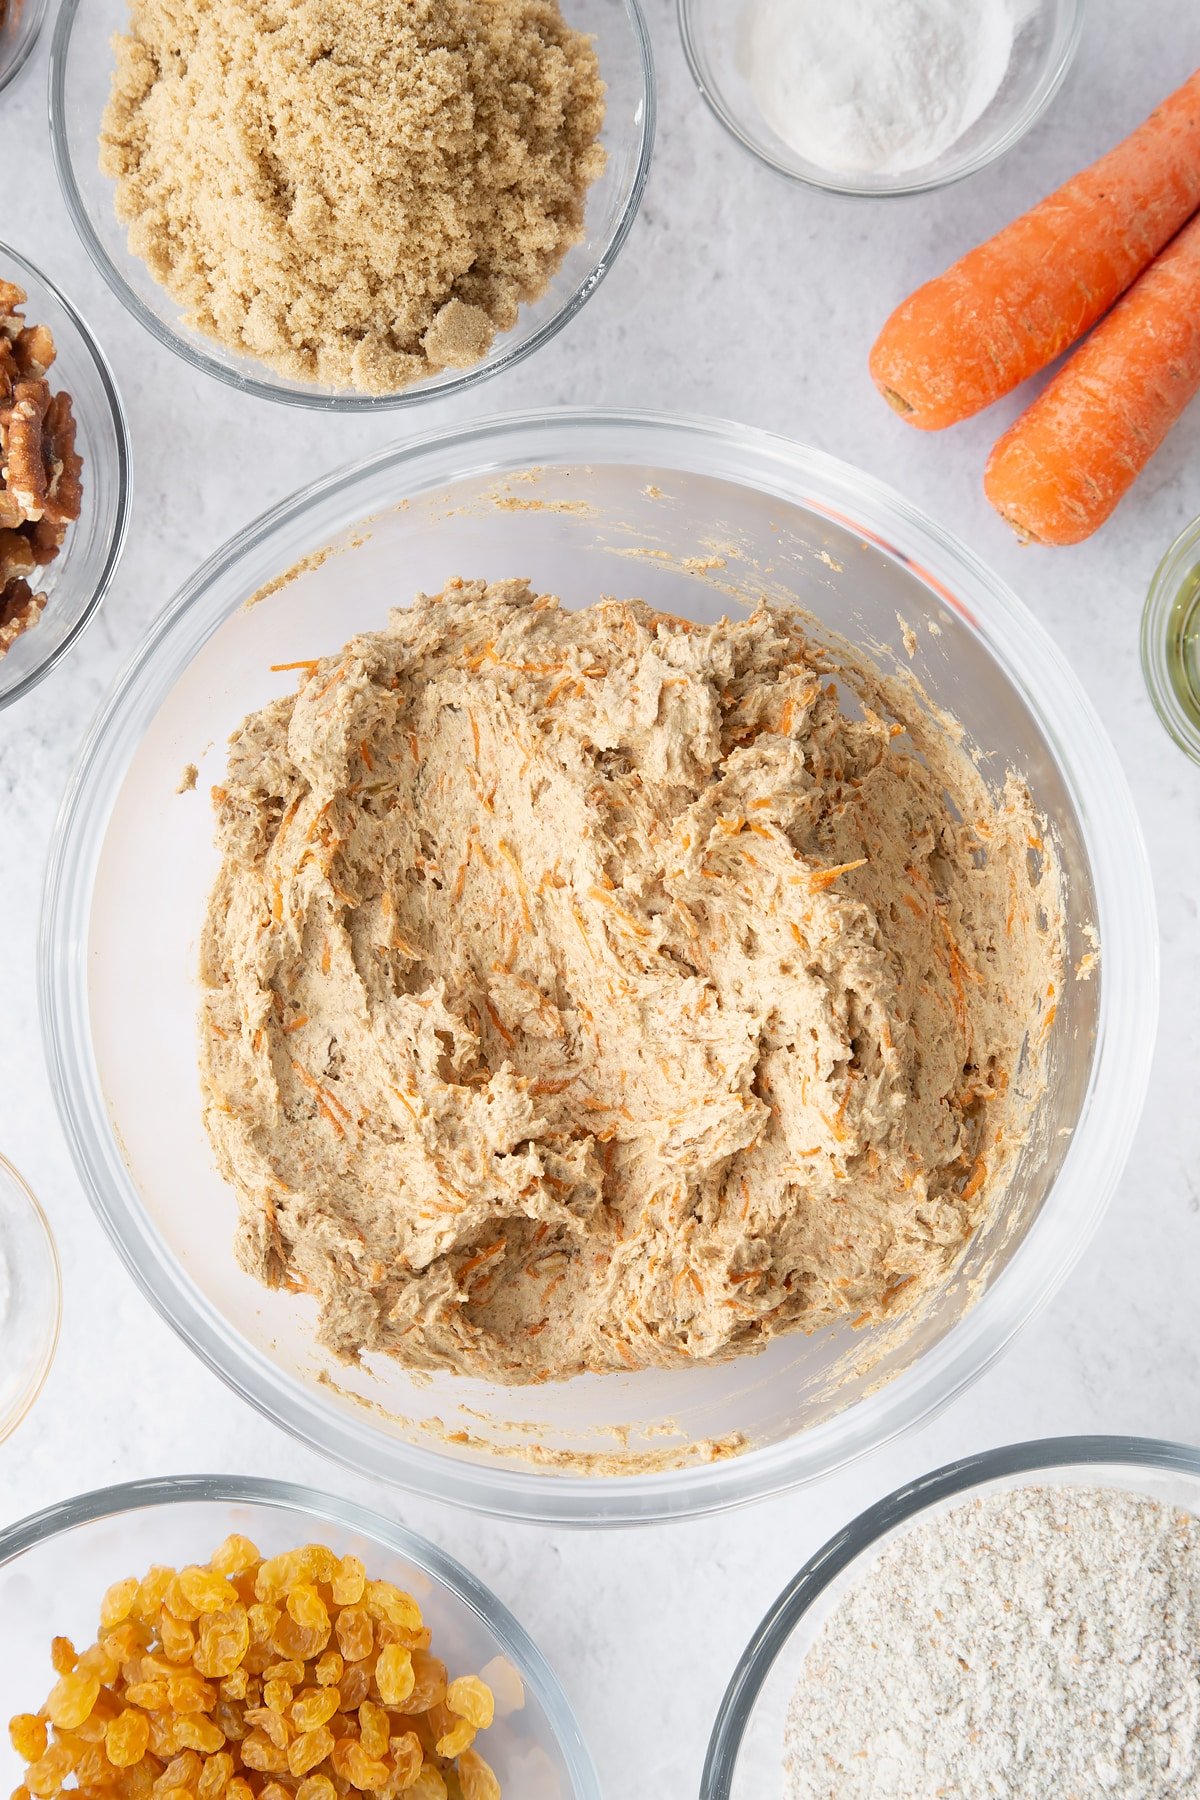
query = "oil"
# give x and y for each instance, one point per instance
(1183, 646)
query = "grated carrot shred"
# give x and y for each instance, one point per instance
(826, 877)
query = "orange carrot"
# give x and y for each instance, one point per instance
(1014, 303)
(1060, 470)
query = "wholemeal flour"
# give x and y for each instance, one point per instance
(1039, 1642)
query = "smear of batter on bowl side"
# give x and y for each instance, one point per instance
(596, 990)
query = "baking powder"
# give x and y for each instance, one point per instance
(875, 86)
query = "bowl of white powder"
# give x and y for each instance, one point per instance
(1026, 1621)
(879, 97)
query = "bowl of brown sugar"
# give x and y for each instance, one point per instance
(352, 208)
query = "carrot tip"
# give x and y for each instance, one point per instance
(897, 402)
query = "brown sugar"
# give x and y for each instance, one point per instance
(357, 195)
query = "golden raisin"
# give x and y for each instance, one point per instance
(407, 1756)
(456, 1740)
(308, 1609)
(316, 1787)
(373, 1729)
(274, 1790)
(207, 1592)
(194, 1732)
(176, 1602)
(273, 1723)
(231, 1721)
(137, 1783)
(476, 1778)
(215, 1776)
(234, 1685)
(349, 1582)
(239, 1789)
(28, 1735)
(258, 1752)
(364, 1772)
(354, 1686)
(296, 1643)
(48, 1773)
(263, 1620)
(429, 1683)
(71, 1699)
(181, 1772)
(277, 1575)
(384, 1601)
(152, 1590)
(394, 1675)
(234, 1556)
(127, 1739)
(62, 1655)
(150, 1695)
(329, 1669)
(315, 1706)
(309, 1749)
(178, 1638)
(355, 1633)
(429, 1785)
(187, 1693)
(224, 1640)
(472, 1700)
(118, 1602)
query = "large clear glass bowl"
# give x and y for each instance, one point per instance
(81, 63)
(700, 519)
(80, 575)
(745, 1752)
(55, 1566)
(1046, 37)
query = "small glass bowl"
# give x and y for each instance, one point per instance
(55, 1566)
(30, 1299)
(1046, 35)
(23, 20)
(1171, 640)
(79, 577)
(745, 1752)
(81, 61)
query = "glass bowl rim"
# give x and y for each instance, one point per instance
(268, 388)
(123, 475)
(1156, 615)
(12, 1177)
(1029, 659)
(39, 9)
(905, 1504)
(1026, 117)
(135, 1496)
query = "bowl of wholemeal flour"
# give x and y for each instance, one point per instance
(383, 204)
(1024, 1622)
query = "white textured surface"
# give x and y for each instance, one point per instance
(737, 294)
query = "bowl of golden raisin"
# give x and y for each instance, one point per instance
(215, 1638)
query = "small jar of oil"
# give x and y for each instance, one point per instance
(1171, 640)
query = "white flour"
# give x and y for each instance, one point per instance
(875, 86)
(1041, 1643)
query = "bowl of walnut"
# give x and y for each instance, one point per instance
(64, 475)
